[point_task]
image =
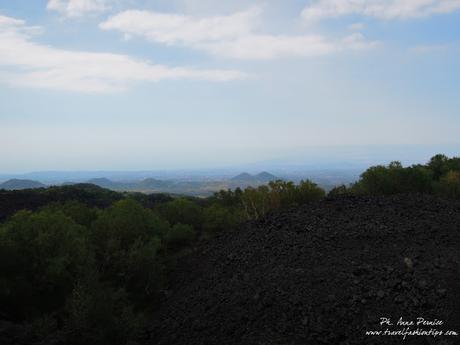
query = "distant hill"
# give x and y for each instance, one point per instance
(101, 182)
(262, 177)
(266, 177)
(153, 185)
(242, 177)
(146, 184)
(11, 201)
(17, 184)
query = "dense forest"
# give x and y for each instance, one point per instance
(84, 265)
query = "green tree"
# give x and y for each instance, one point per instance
(393, 179)
(182, 211)
(308, 191)
(180, 234)
(41, 255)
(338, 190)
(79, 212)
(282, 193)
(438, 165)
(100, 314)
(256, 202)
(417, 178)
(381, 180)
(228, 198)
(218, 218)
(449, 185)
(127, 238)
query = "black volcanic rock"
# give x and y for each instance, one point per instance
(18, 184)
(320, 274)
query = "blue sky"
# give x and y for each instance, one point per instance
(136, 84)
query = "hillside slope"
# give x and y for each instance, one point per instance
(320, 274)
(17, 184)
(263, 177)
(32, 199)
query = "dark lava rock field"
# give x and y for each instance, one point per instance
(321, 274)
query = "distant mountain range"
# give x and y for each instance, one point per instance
(194, 186)
(203, 187)
(17, 184)
(142, 185)
(149, 185)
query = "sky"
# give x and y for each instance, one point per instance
(176, 84)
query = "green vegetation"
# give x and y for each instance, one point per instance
(439, 176)
(278, 194)
(183, 211)
(448, 185)
(180, 234)
(393, 179)
(84, 265)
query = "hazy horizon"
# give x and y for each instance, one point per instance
(296, 162)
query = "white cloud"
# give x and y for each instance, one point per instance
(264, 47)
(6, 22)
(232, 36)
(26, 63)
(78, 8)
(357, 41)
(356, 26)
(381, 9)
(181, 29)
